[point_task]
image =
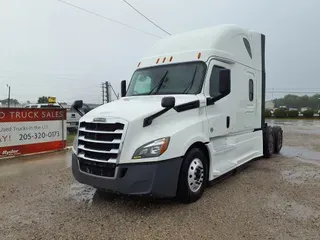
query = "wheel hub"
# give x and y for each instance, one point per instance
(195, 175)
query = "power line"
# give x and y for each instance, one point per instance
(146, 17)
(109, 19)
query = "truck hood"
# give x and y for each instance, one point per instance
(131, 108)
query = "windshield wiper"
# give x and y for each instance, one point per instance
(160, 83)
(191, 83)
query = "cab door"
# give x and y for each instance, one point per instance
(220, 117)
(219, 109)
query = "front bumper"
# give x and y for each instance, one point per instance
(159, 179)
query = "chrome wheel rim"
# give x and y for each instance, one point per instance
(195, 175)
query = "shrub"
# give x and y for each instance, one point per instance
(293, 113)
(267, 113)
(280, 113)
(308, 113)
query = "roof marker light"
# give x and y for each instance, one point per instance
(170, 58)
(199, 55)
(158, 60)
(139, 64)
(164, 60)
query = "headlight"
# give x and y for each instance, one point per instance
(75, 144)
(152, 149)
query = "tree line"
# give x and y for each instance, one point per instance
(13, 102)
(294, 101)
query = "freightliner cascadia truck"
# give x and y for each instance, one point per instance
(192, 113)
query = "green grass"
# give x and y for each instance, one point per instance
(70, 138)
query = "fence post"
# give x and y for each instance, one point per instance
(64, 143)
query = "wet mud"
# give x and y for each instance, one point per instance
(277, 198)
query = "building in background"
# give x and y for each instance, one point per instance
(269, 104)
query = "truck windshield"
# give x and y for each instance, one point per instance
(182, 78)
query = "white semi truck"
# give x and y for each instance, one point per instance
(192, 113)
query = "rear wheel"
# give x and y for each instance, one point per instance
(278, 138)
(268, 142)
(193, 176)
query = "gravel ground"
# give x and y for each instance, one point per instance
(277, 198)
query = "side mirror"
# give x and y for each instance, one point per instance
(224, 81)
(168, 102)
(77, 104)
(123, 88)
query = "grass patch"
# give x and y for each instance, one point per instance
(70, 138)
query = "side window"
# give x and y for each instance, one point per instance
(251, 90)
(214, 81)
(247, 45)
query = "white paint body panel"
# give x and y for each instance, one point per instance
(228, 147)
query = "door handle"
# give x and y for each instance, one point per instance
(228, 121)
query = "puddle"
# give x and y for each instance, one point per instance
(302, 174)
(9, 167)
(299, 123)
(307, 131)
(82, 193)
(300, 153)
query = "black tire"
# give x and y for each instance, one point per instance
(278, 139)
(268, 142)
(184, 193)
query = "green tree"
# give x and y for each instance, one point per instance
(293, 113)
(13, 102)
(308, 113)
(294, 101)
(43, 99)
(267, 113)
(280, 113)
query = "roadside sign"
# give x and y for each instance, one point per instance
(25, 131)
(51, 99)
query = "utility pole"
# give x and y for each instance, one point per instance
(107, 92)
(117, 95)
(102, 85)
(9, 95)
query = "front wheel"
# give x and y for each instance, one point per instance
(193, 176)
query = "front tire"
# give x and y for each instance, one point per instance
(193, 176)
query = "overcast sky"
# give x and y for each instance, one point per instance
(49, 48)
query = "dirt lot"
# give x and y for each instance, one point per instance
(271, 199)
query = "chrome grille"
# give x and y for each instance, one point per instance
(99, 147)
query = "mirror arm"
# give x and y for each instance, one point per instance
(148, 120)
